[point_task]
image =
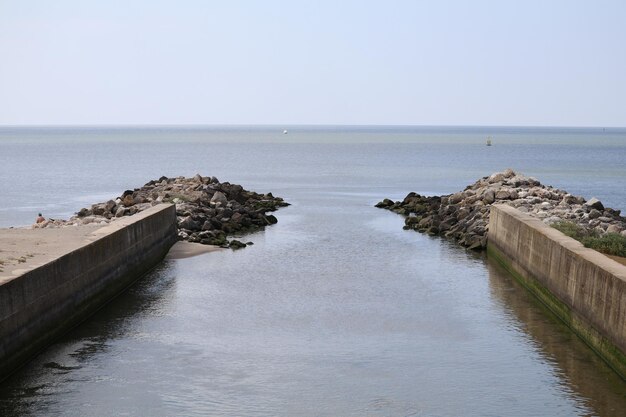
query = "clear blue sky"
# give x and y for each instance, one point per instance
(536, 63)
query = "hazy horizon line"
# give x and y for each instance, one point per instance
(292, 125)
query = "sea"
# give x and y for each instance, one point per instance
(334, 311)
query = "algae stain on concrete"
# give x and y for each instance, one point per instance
(610, 353)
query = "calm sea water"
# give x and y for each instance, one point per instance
(335, 311)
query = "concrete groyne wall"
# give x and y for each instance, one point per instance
(40, 304)
(586, 289)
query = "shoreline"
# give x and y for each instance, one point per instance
(208, 211)
(208, 214)
(464, 216)
(183, 249)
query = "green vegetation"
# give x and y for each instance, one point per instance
(610, 243)
(572, 230)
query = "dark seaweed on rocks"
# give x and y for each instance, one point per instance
(464, 216)
(208, 211)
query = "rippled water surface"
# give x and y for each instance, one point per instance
(334, 311)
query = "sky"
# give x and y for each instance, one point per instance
(478, 62)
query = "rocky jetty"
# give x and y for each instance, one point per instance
(208, 211)
(464, 216)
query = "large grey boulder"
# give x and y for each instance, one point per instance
(455, 198)
(190, 224)
(489, 197)
(219, 198)
(595, 203)
(594, 214)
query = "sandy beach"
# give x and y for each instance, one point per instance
(23, 249)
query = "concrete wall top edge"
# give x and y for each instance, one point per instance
(128, 220)
(41, 304)
(603, 261)
(92, 237)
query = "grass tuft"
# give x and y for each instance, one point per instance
(609, 244)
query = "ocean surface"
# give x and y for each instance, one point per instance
(334, 311)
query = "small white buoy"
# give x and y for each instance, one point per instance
(285, 132)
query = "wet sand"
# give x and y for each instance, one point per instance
(184, 249)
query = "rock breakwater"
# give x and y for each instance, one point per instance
(208, 211)
(464, 216)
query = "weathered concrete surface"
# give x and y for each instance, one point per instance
(40, 302)
(586, 289)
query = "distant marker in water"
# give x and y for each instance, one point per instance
(285, 132)
(488, 140)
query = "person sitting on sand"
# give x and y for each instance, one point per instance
(40, 219)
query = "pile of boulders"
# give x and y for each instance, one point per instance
(207, 211)
(464, 216)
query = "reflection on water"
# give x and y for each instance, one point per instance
(35, 389)
(334, 311)
(586, 375)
